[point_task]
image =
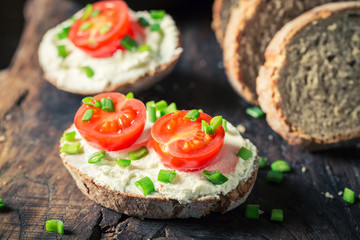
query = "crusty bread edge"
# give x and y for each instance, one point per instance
(269, 96)
(215, 24)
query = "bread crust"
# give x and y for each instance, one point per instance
(268, 92)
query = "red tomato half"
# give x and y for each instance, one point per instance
(182, 144)
(116, 130)
(89, 34)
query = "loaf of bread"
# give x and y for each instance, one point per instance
(309, 86)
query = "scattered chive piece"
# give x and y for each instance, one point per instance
(349, 195)
(64, 33)
(277, 215)
(160, 105)
(252, 211)
(193, 115)
(88, 71)
(104, 29)
(205, 127)
(145, 185)
(130, 95)
(215, 122)
(55, 225)
(62, 51)
(244, 153)
(224, 124)
(274, 176)
(123, 162)
(262, 162)
(215, 177)
(95, 13)
(157, 14)
(155, 27)
(72, 148)
(87, 115)
(170, 109)
(139, 153)
(166, 175)
(144, 48)
(143, 22)
(96, 157)
(255, 112)
(200, 110)
(69, 136)
(129, 43)
(2, 204)
(280, 166)
(87, 11)
(90, 101)
(151, 109)
(107, 105)
(85, 26)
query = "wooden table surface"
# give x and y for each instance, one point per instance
(35, 186)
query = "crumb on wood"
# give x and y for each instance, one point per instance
(241, 128)
(329, 195)
(20, 166)
(303, 169)
(2, 138)
(270, 137)
(8, 117)
(340, 193)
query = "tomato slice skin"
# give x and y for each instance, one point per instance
(181, 143)
(112, 131)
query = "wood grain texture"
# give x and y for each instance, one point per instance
(36, 187)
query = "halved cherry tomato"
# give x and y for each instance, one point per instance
(116, 130)
(182, 144)
(89, 34)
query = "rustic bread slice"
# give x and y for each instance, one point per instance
(251, 27)
(310, 83)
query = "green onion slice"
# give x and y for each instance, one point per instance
(244, 153)
(280, 166)
(200, 110)
(90, 101)
(255, 112)
(107, 105)
(252, 211)
(277, 215)
(71, 148)
(155, 27)
(85, 26)
(87, 115)
(123, 162)
(128, 43)
(215, 177)
(205, 127)
(145, 185)
(2, 204)
(104, 29)
(151, 109)
(160, 105)
(95, 13)
(139, 153)
(215, 122)
(143, 22)
(62, 51)
(349, 195)
(88, 71)
(69, 136)
(262, 162)
(273, 176)
(144, 48)
(130, 95)
(224, 124)
(166, 175)
(96, 157)
(55, 225)
(170, 109)
(157, 14)
(193, 115)
(87, 12)
(64, 33)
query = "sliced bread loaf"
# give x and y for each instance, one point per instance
(251, 27)
(309, 86)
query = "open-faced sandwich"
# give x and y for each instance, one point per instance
(157, 161)
(106, 47)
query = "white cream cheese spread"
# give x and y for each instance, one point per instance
(122, 67)
(184, 187)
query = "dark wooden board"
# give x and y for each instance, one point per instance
(36, 187)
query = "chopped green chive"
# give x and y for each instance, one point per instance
(55, 225)
(215, 177)
(139, 153)
(2, 204)
(170, 109)
(166, 175)
(87, 11)
(145, 185)
(151, 109)
(193, 115)
(244, 153)
(123, 162)
(95, 13)
(143, 22)
(252, 211)
(273, 176)
(128, 43)
(104, 29)
(205, 127)
(157, 14)
(262, 162)
(215, 122)
(130, 95)
(87, 115)
(200, 110)
(255, 112)
(72, 148)
(62, 51)
(69, 136)
(90, 101)
(280, 166)
(64, 33)
(349, 195)
(96, 157)
(88, 71)
(161, 105)
(277, 215)
(224, 124)
(144, 48)
(107, 105)
(155, 27)
(85, 26)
